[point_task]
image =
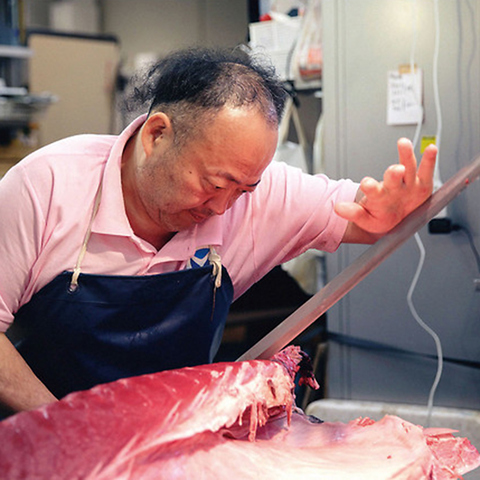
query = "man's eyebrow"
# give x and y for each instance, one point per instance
(254, 184)
(231, 178)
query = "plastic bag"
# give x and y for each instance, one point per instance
(307, 61)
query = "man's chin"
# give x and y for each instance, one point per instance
(185, 222)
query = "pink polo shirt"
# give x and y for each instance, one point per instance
(46, 202)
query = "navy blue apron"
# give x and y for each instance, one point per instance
(81, 330)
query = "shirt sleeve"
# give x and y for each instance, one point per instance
(289, 213)
(22, 221)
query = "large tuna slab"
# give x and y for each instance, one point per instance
(226, 420)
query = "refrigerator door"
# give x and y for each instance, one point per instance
(81, 72)
(363, 42)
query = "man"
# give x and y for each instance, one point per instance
(121, 255)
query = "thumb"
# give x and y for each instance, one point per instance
(350, 211)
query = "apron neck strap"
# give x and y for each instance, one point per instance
(216, 261)
(83, 250)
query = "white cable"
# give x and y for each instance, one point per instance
(412, 72)
(436, 14)
(435, 337)
(421, 247)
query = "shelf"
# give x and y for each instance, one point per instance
(22, 110)
(15, 51)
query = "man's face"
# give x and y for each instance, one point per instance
(181, 188)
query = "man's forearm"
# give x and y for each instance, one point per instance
(20, 389)
(354, 234)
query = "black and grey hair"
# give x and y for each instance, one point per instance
(191, 86)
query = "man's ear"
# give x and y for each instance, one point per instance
(157, 128)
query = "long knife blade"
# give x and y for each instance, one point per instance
(348, 278)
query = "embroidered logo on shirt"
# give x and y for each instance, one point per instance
(199, 259)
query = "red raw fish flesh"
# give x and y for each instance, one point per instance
(222, 421)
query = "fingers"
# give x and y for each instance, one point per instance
(370, 187)
(394, 177)
(403, 188)
(407, 159)
(350, 211)
(427, 165)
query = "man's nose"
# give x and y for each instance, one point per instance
(221, 202)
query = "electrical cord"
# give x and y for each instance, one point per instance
(436, 93)
(412, 72)
(430, 331)
(437, 180)
(370, 346)
(445, 226)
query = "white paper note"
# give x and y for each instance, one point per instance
(404, 98)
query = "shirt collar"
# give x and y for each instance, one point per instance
(185, 243)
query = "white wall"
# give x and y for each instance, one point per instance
(160, 26)
(37, 13)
